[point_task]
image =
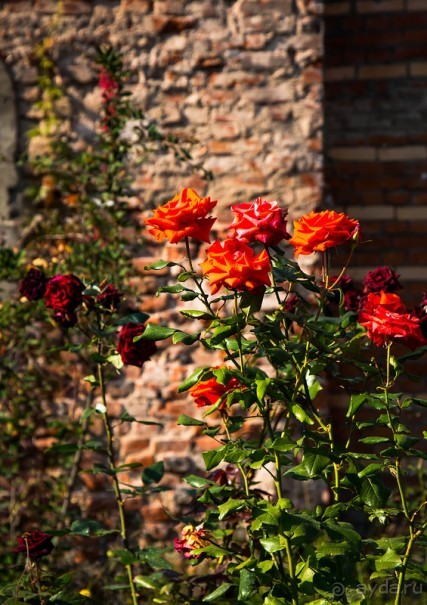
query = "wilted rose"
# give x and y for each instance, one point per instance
(191, 539)
(134, 353)
(33, 286)
(35, 544)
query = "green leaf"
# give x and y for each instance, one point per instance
(230, 505)
(213, 457)
(91, 379)
(192, 379)
(356, 401)
(155, 332)
(154, 473)
(116, 360)
(221, 333)
(315, 461)
(247, 584)
(187, 339)
(145, 582)
(198, 482)
(160, 264)
(87, 413)
(405, 441)
(389, 560)
(373, 440)
(300, 414)
(372, 492)
(274, 544)
(189, 421)
(217, 593)
(196, 314)
(133, 318)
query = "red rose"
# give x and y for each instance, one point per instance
(261, 221)
(209, 391)
(235, 265)
(317, 231)
(353, 300)
(35, 544)
(184, 216)
(387, 320)
(33, 286)
(64, 293)
(381, 279)
(134, 353)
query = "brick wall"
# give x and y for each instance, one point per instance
(242, 77)
(376, 130)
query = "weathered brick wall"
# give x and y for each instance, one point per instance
(376, 130)
(242, 77)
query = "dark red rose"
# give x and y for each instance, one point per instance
(345, 282)
(33, 286)
(134, 353)
(381, 279)
(353, 300)
(110, 297)
(35, 544)
(64, 293)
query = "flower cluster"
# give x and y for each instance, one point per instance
(65, 293)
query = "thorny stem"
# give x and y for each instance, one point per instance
(116, 485)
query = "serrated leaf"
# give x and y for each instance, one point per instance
(229, 506)
(155, 332)
(389, 560)
(160, 264)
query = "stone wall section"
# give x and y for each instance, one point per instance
(243, 78)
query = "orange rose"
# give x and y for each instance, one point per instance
(386, 320)
(317, 231)
(184, 216)
(235, 265)
(207, 392)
